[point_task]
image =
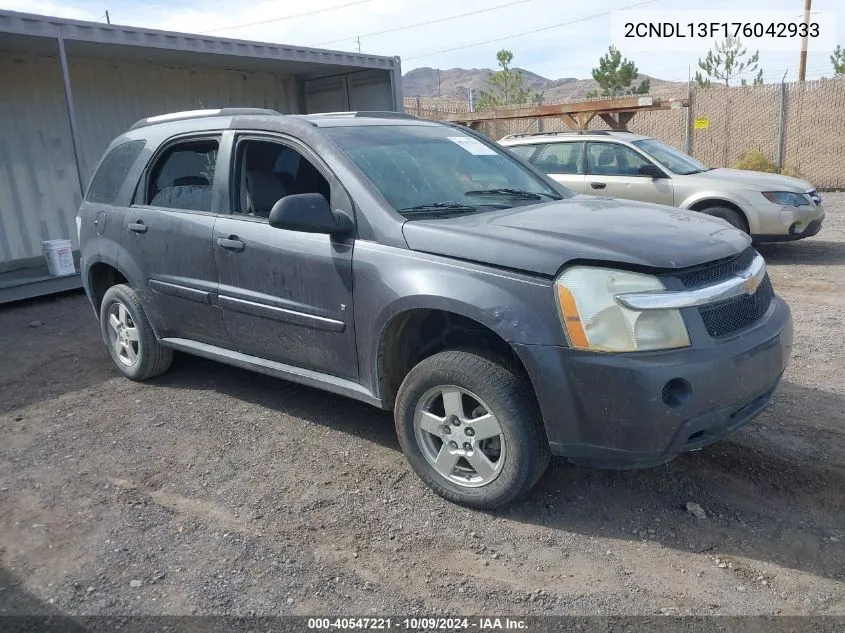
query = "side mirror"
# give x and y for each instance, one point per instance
(309, 213)
(652, 171)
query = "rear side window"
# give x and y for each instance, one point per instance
(523, 151)
(183, 175)
(560, 158)
(113, 171)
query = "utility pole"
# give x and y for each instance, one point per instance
(438, 83)
(108, 19)
(358, 40)
(802, 65)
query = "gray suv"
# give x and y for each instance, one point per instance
(418, 267)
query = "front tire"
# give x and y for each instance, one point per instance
(129, 336)
(470, 428)
(731, 216)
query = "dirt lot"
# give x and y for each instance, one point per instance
(213, 490)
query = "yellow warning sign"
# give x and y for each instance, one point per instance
(702, 124)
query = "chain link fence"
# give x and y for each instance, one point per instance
(798, 126)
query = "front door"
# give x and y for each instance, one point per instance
(286, 295)
(613, 170)
(167, 236)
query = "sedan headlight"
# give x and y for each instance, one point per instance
(789, 198)
(595, 320)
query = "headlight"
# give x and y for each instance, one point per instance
(594, 320)
(789, 198)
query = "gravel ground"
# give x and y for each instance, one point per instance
(212, 490)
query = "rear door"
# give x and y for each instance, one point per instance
(286, 295)
(563, 161)
(167, 237)
(613, 170)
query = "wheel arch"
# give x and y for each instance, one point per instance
(413, 334)
(705, 201)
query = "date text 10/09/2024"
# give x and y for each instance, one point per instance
(721, 29)
(418, 624)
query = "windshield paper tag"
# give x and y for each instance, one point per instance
(472, 145)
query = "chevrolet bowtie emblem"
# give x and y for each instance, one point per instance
(751, 283)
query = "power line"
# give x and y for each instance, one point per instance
(288, 17)
(544, 28)
(437, 21)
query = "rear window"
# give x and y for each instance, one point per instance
(112, 172)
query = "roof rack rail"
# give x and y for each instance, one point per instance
(198, 114)
(374, 114)
(564, 133)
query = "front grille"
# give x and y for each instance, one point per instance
(720, 271)
(726, 318)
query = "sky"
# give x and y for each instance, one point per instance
(574, 34)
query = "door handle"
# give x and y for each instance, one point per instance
(231, 243)
(598, 185)
(138, 227)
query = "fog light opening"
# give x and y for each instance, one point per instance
(676, 392)
(795, 228)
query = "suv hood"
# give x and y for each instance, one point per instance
(542, 238)
(758, 180)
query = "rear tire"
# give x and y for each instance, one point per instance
(129, 337)
(488, 411)
(731, 216)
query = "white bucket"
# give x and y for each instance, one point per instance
(59, 256)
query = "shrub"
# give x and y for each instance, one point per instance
(757, 161)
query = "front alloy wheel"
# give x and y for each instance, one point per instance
(470, 428)
(459, 436)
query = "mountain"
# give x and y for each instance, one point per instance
(454, 82)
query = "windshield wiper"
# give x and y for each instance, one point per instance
(441, 207)
(514, 193)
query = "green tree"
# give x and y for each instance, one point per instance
(615, 74)
(727, 62)
(758, 79)
(838, 61)
(506, 86)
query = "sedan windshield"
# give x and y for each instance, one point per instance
(433, 169)
(672, 159)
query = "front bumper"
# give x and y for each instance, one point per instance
(785, 223)
(811, 229)
(643, 409)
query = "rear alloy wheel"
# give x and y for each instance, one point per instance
(129, 337)
(470, 427)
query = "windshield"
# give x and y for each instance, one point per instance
(672, 159)
(437, 169)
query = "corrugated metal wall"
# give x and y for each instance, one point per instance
(109, 97)
(39, 194)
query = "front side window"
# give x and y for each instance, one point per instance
(182, 177)
(113, 171)
(612, 159)
(560, 158)
(428, 168)
(268, 171)
(672, 159)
